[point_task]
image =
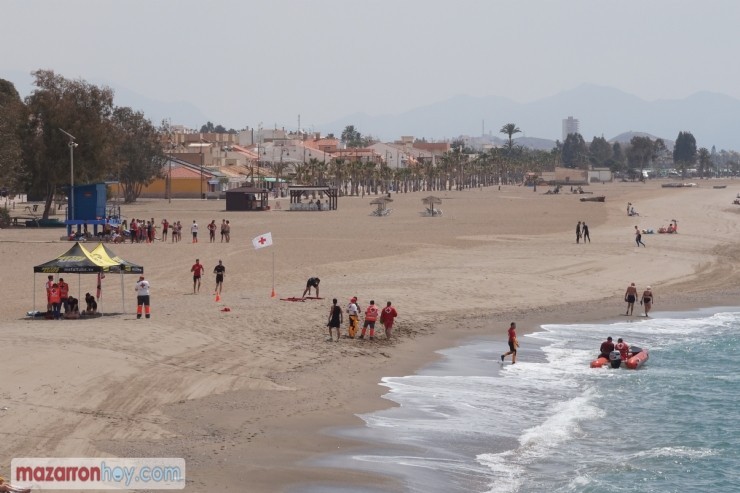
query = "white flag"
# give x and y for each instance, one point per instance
(262, 241)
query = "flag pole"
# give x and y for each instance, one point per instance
(273, 274)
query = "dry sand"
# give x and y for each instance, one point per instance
(243, 395)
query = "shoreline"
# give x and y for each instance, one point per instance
(243, 396)
(680, 303)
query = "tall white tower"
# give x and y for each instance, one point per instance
(570, 126)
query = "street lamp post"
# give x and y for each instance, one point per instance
(72, 144)
(201, 145)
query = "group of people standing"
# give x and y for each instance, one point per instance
(582, 232)
(145, 231)
(647, 299)
(372, 313)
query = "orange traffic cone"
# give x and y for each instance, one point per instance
(218, 297)
(273, 293)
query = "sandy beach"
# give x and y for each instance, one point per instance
(243, 395)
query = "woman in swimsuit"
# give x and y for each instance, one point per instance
(647, 300)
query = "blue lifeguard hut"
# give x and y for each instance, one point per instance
(89, 207)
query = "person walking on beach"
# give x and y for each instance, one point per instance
(638, 237)
(220, 271)
(584, 230)
(578, 232)
(371, 315)
(647, 300)
(227, 231)
(197, 270)
(353, 312)
(387, 316)
(630, 296)
(223, 232)
(165, 229)
(335, 319)
(142, 297)
(194, 231)
(513, 344)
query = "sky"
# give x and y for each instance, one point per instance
(246, 63)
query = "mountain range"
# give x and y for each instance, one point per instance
(713, 119)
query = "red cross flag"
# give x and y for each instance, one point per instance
(262, 241)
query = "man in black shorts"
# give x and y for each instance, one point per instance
(220, 271)
(313, 282)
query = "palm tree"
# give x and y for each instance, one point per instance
(510, 129)
(705, 161)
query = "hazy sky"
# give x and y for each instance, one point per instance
(246, 62)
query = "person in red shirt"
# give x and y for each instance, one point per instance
(56, 301)
(197, 270)
(64, 293)
(623, 349)
(387, 316)
(513, 344)
(371, 315)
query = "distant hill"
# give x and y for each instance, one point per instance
(714, 119)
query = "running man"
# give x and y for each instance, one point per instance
(630, 296)
(220, 271)
(638, 237)
(197, 270)
(513, 344)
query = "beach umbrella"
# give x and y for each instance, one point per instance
(430, 201)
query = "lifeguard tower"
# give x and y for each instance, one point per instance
(89, 207)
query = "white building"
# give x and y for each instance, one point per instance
(570, 126)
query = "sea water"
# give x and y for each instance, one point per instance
(551, 423)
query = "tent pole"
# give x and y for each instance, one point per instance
(34, 291)
(123, 302)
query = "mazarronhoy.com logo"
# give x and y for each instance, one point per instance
(108, 473)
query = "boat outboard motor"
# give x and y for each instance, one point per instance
(615, 359)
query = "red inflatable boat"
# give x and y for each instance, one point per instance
(637, 357)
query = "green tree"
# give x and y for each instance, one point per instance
(684, 152)
(510, 129)
(81, 109)
(575, 152)
(599, 151)
(705, 161)
(137, 151)
(12, 118)
(352, 137)
(641, 152)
